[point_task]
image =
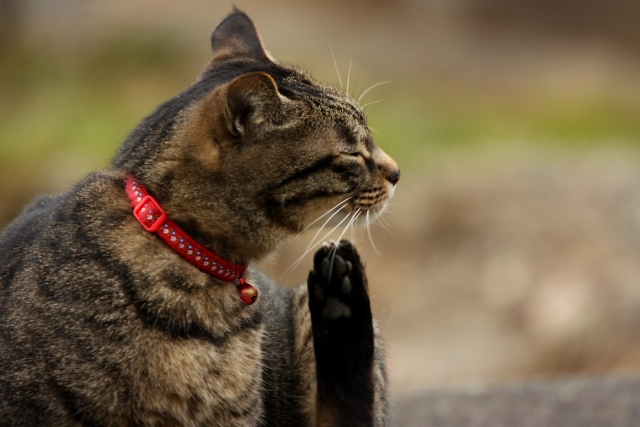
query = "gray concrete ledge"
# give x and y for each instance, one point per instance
(575, 402)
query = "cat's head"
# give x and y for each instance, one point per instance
(254, 150)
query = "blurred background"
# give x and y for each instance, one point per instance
(512, 247)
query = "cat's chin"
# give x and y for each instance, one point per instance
(378, 211)
(372, 208)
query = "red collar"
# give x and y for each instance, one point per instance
(149, 213)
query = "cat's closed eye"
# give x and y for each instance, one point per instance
(358, 155)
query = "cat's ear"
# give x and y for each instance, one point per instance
(236, 36)
(252, 100)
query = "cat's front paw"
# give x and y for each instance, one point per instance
(343, 335)
(338, 298)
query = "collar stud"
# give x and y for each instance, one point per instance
(150, 214)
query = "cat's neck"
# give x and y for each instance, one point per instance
(153, 218)
(221, 224)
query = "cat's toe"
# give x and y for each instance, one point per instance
(339, 306)
(346, 285)
(340, 266)
(336, 275)
(335, 309)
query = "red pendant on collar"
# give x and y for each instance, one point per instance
(248, 292)
(149, 213)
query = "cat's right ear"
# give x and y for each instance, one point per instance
(236, 36)
(253, 101)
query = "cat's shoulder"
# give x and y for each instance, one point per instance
(31, 221)
(46, 211)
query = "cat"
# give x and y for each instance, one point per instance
(127, 301)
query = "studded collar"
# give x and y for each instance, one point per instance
(150, 214)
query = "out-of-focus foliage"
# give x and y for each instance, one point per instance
(515, 233)
(63, 115)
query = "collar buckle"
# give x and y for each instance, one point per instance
(149, 213)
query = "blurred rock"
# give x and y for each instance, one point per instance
(575, 402)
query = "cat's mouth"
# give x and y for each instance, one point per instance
(373, 200)
(364, 207)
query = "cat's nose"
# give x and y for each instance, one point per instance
(394, 177)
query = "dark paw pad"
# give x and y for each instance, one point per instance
(336, 283)
(340, 316)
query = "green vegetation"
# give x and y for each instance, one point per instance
(85, 104)
(434, 122)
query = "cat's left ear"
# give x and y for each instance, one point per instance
(253, 101)
(236, 36)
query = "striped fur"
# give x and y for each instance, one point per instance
(102, 324)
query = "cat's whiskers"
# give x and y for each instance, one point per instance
(355, 83)
(383, 223)
(369, 88)
(313, 243)
(379, 212)
(336, 65)
(325, 214)
(335, 248)
(349, 73)
(349, 224)
(362, 107)
(379, 217)
(375, 248)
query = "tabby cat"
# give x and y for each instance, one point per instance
(115, 316)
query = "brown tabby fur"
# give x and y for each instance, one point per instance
(102, 324)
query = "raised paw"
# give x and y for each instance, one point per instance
(337, 281)
(342, 334)
(338, 299)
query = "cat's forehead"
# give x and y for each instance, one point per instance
(321, 105)
(329, 103)
(325, 94)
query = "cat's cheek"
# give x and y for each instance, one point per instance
(196, 137)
